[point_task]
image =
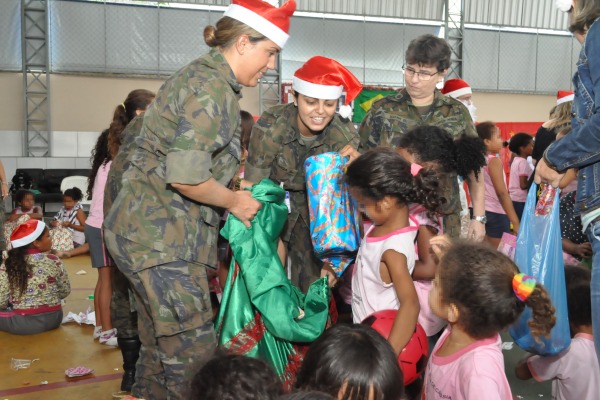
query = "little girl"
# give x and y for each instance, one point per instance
(480, 292)
(499, 210)
(521, 145)
(383, 184)
(32, 282)
(72, 217)
(433, 146)
(25, 201)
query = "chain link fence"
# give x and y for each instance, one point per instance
(96, 37)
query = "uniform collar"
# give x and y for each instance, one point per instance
(293, 134)
(438, 98)
(216, 60)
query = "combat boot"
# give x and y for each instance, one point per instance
(130, 348)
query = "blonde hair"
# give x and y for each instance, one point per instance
(561, 117)
(227, 31)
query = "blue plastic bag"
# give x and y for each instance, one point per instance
(539, 254)
(334, 217)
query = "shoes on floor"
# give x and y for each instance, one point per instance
(97, 332)
(109, 337)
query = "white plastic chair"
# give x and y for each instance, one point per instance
(80, 182)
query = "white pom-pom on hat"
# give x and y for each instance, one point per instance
(564, 5)
(345, 111)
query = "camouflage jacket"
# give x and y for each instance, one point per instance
(276, 153)
(394, 115)
(191, 133)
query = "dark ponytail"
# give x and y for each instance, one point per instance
(138, 99)
(382, 172)
(542, 312)
(469, 153)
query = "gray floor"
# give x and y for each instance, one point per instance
(522, 390)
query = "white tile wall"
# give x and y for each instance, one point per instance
(86, 141)
(64, 144)
(60, 162)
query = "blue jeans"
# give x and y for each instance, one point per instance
(593, 232)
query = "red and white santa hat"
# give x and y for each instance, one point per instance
(456, 88)
(324, 78)
(563, 96)
(273, 22)
(26, 233)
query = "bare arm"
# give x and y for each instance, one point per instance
(80, 218)
(240, 203)
(4, 184)
(522, 369)
(523, 182)
(477, 192)
(495, 168)
(425, 266)
(406, 318)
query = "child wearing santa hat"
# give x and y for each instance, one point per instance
(286, 135)
(32, 282)
(461, 91)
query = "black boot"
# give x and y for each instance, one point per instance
(130, 348)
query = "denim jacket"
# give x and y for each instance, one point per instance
(581, 148)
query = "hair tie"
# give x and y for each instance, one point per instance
(523, 286)
(123, 105)
(415, 168)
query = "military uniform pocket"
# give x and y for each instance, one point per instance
(177, 296)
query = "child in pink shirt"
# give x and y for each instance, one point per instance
(569, 379)
(480, 292)
(521, 145)
(383, 184)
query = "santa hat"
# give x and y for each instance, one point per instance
(563, 96)
(324, 78)
(564, 5)
(26, 233)
(273, 22)
(456, 88)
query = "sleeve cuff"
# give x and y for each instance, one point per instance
(189, 167)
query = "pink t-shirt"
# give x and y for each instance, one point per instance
(430, 322)
(492, 203)
(475, 372)
(96, 215)
(369, 292)
(519, 167)
(574, 372)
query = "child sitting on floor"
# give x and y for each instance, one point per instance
(72, 217)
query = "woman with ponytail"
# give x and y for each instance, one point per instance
(32, 282)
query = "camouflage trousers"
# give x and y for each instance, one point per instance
(174, 317)
(304, 265)
(122, 307)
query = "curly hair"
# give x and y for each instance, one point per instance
(20, 195)
(18, 270)
(382, 172)
(100, 156)
(235, 377)
(75, 193)
(518, 141)
(431, 144)
(478, 280)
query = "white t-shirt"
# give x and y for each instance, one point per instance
(574, 372)
(475, 372)
(369, 292)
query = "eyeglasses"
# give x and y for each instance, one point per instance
(423, 76)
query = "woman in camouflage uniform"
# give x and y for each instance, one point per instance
(286, 135)
(162, 227)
